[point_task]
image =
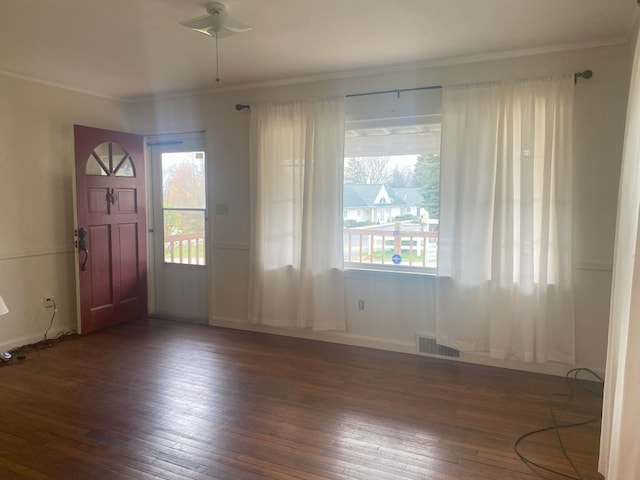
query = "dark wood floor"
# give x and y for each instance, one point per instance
(162, 400)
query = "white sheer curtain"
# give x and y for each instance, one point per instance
(620, 437)
(505, 242)
(296, 266)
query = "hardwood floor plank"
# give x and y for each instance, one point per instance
(161, 400)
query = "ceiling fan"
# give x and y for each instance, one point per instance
(216, 23)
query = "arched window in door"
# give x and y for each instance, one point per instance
(109, 159)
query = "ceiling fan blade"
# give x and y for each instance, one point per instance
(201, 24)
(216, 25)
(234, 25)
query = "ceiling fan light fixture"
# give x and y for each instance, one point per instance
(218, 8)
(217, 24)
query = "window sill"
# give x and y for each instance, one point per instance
(397, 273)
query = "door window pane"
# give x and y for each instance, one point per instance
(183, 182)
(184, 203)
(95, 168)
(125, 169)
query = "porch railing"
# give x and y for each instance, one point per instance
(188, 249)
(372, 245)
(393, 245)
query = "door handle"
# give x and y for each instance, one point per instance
(83, 246)
(112, 197)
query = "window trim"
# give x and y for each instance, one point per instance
(401, 269)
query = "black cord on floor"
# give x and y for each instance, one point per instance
(18, 353)
(571, 374)
(43, 343)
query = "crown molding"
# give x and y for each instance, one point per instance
(61, 86)
(442, 62)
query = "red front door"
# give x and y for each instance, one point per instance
(111, 227)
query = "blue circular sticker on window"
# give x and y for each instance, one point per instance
(396, 259)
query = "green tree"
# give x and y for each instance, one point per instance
(183, 188)
(427, 176)
(184, 185)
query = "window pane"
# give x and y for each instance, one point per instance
(183, 180)
(98, 161)
(94, 168)
(102, 153)
(125, 169)
(391, 192)
(116, 157)
(184, 239)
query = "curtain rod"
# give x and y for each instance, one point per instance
(397, 91)
(586, 74)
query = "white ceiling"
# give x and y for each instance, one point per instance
(136, 48)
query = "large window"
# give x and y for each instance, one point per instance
(391, 184)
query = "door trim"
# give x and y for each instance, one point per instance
(157, 141)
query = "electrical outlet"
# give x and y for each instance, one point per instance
(48, 302)
(360, 304)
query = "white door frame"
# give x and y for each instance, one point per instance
(155, 145)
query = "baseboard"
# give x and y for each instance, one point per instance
(185, 319)
(345, 338)
(20, 342)
(548, 368)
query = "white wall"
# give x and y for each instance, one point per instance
(599, 123)
(36, 215)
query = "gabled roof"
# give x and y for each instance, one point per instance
(351, 198)
(407, 195)
(359, 195)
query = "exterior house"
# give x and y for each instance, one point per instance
(379, 203)
(411, 198)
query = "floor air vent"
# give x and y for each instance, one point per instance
(429, 345)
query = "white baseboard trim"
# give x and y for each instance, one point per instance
(594, 266)
(345, 338)
(549, 368)
(28, 340)
(185, 319)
